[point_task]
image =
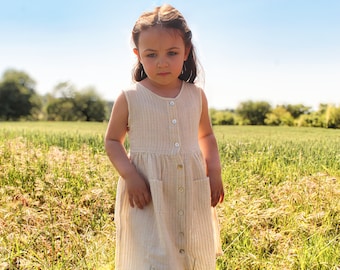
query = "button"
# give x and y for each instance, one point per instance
(181, 189)
(179, 166)
(182, 251)
(176, 144)
(174, 121)
(180, 212)
(172, 103)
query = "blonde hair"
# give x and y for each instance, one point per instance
(170, 18)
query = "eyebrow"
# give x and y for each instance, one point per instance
(172, 48)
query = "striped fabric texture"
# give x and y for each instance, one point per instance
(178, 230)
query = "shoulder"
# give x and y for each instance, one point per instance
(122, 100)
(130, 89)
(134, 91)
(195, 91)
(125, 94)
(193, 87)
(120, 105)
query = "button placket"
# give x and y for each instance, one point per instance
(180, 214)
(173, 126)
(180, 205)
(180, 185)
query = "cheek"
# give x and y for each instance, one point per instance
(145, 61)
(148, 63)
(179, 65)
(149, 66)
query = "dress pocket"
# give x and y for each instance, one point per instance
(157, 194)
(201, 194)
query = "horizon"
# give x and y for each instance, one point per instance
(281, 52)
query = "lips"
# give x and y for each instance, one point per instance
(163, 73)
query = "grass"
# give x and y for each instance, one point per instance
(57, 191)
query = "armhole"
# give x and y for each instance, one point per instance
(128, 107)
(207, 105)
(201, 92)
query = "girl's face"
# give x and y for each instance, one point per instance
(162, 53)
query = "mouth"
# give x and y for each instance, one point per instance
(163, 73)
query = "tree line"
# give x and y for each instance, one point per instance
(262, 113)
(19, 100)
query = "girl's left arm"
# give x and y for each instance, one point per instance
(209, 148)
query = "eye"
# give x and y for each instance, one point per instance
(172, 53)
(151, 55)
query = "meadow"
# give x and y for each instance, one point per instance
(57, 196)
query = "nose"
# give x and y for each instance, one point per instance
(162, 63)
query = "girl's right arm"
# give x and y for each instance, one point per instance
(138, 190)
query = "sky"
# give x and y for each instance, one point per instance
(279, 51)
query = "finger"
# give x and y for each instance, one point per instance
(221, 197)
(134, 201)
(216, 198)
(147, 198)
(214, 201)
(213, 197)
(142, 205)
(143, 200)
(140, 201)
(131, 201)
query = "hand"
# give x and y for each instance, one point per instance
(217, 191)
(138, 192)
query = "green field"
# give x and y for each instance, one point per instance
(57, 192)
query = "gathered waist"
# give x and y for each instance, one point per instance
(167, 153)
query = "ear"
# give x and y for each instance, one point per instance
(186, 53)
(136, 52)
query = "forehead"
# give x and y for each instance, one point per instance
(160, 37)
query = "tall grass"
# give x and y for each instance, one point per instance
(282, 207)
(57, 191)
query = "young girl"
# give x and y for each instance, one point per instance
(171, 179)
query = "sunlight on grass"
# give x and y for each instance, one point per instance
(57, 192)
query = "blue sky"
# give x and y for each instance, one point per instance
(280, 51)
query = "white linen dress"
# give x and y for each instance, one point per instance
(178, 229)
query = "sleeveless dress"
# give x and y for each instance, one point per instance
(178, 229)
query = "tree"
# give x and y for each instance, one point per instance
(224, 118)
(60, 104)
(314, 119)
(73, 105)
(297, 110)
(64, 90)
(279, 117)
(89, 106)
(61, 109)
(333, 117)
(254, 112)
(18, 98)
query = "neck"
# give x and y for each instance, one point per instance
(168, 91)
